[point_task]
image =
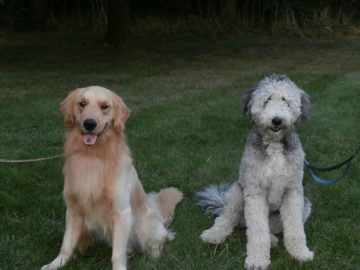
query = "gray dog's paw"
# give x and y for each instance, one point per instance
(213, 236)
(257, 263)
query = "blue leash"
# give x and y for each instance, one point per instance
(313, 170)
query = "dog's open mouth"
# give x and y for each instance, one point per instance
(275, 129)
(91, 138)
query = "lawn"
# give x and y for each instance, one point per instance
(186, 130)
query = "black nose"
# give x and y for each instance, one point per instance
(276, 121)
(89, 124)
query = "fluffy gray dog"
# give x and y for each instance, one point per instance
(268, 197)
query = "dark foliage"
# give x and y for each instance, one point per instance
(77, 15)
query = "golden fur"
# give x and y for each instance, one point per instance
(103, 195)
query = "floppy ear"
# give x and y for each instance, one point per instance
(305, 107)
(245, 101)
(67, 108)
(122, 112)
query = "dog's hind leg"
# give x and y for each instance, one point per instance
(157, 240)
(229, 219)
(151, 233)
(307, 209)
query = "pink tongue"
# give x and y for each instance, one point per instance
(89, 139)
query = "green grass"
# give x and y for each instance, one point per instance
(186, 130)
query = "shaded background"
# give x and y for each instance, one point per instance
(117, 19)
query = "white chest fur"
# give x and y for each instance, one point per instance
(272, 170)
(277, 175)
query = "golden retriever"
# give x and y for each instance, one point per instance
(103, 195)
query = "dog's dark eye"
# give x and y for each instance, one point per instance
(82, 104)
(286, 101)
(105, 106)
(266, 102)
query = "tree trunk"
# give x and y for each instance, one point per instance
(117, 32)
(38, 14)
(229, 9)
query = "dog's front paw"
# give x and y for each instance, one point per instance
(256, 263)
(307, 256)
(45, 267)
(50, 266)
(118, 267)
(119, 263)
(304, 256)
(213, 236)
(57, 263)
(301, 253)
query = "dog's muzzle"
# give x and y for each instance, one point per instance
(89, 125)
(276, 124)
(90, 138)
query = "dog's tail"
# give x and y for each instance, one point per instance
(212, 199)
(167, 199)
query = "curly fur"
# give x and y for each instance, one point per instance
(212, 199)
(268, 197)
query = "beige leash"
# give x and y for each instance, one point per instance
(29, 160)
(32, 159)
